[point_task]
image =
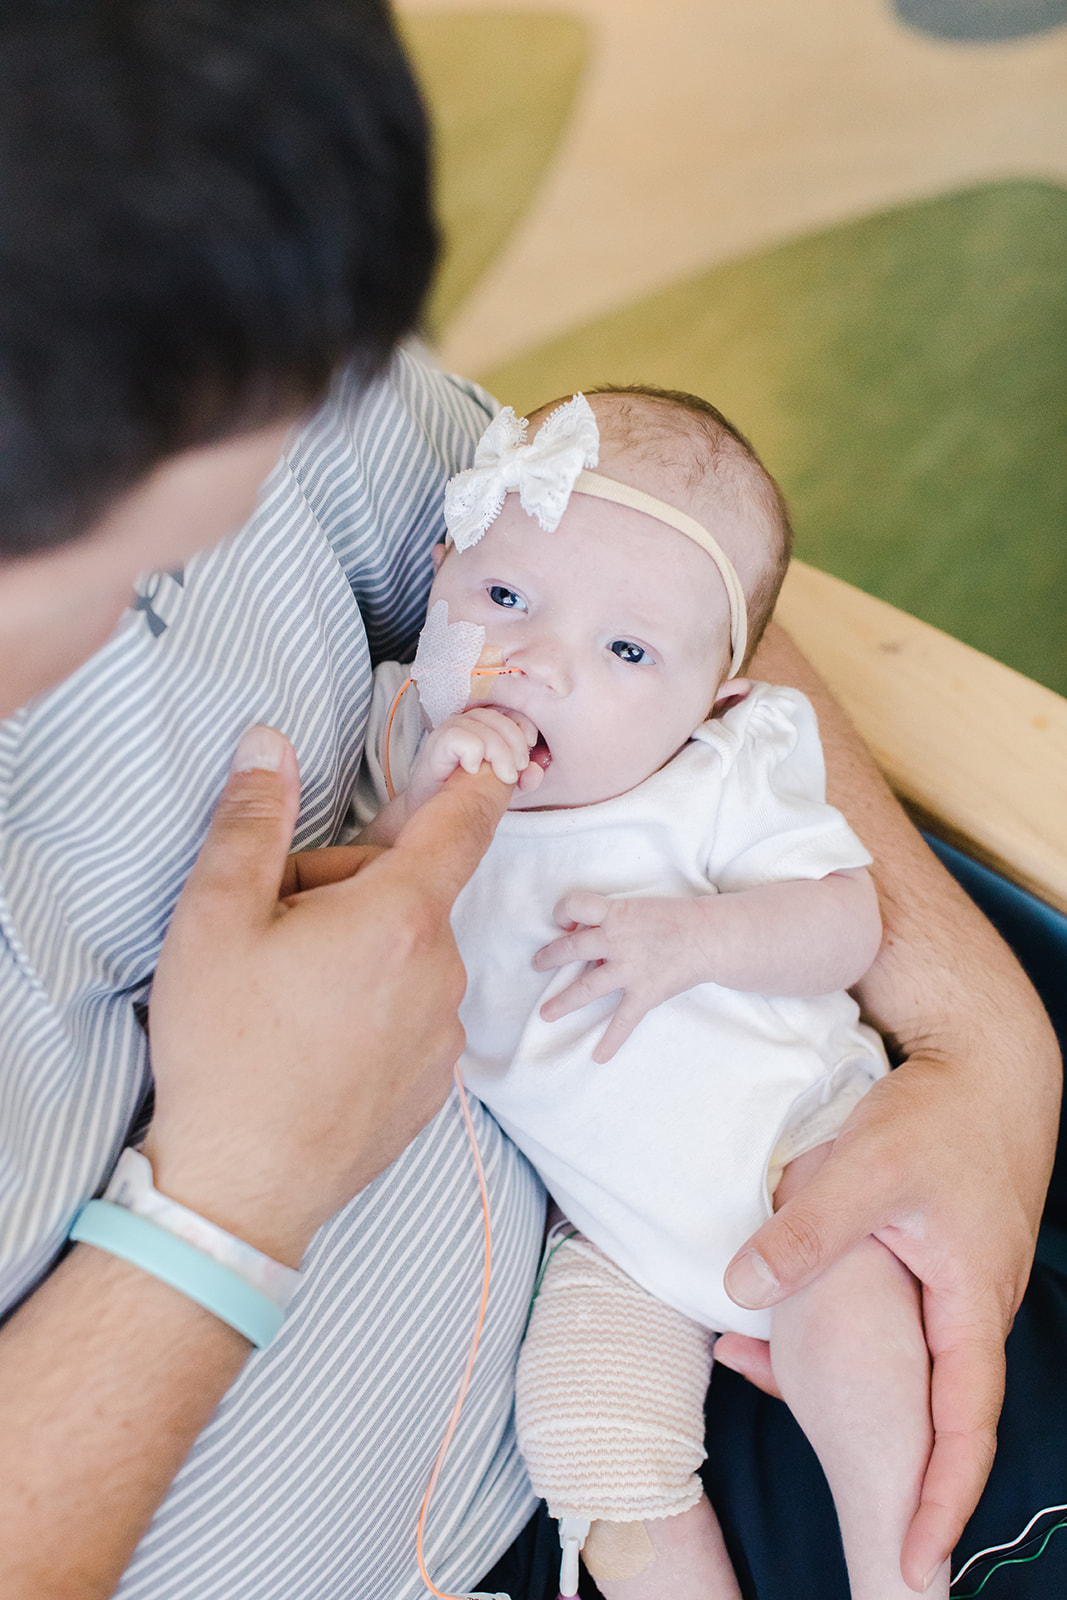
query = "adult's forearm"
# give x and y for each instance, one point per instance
(947, 1159)
(944, 982)
(107, 1376)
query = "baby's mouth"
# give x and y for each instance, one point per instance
(490, 666)
(540, 754)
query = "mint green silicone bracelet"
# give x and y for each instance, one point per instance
(134, 1239)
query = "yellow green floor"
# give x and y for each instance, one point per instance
(853, 239)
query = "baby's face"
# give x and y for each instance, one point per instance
(620, 628)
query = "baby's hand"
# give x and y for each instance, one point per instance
(645, 948)
(483, 734)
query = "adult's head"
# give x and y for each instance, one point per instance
(205, 207)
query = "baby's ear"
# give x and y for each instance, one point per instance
(437, 555)
(730, 693)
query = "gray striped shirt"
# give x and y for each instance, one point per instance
(308, 1481)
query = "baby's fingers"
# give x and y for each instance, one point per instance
(592, 984)
(531, 777)
(527, 730)
(581, 906)
(516, 730)
(472, 744)
(581, 944)
(625, 1019)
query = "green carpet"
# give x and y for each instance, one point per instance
(500, 90)
(904, 377)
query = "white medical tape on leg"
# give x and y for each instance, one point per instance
(610, 1393)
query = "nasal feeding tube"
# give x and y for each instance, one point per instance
(491, 664)
(478, 692)
(453, 666)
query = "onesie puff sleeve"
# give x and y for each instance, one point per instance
(398, 721)
(773, 822)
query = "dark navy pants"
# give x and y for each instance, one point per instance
(762, 1475)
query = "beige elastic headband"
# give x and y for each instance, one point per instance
(623, 494)
(546, 472)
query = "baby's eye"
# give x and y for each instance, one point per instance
(632, 654)
(506, 597)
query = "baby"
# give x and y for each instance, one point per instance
(657, 945)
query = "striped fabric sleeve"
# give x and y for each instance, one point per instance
(307, 1481)
(377, 491)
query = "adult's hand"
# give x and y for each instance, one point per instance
(298, 1045)
(300, 1040)
(925, 1167)
(947, 1160)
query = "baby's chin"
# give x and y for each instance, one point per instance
(560, 788)
(554, 793)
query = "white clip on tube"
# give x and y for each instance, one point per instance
(572, 1536)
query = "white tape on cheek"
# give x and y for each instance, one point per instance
(615, 1550)
(447, 653)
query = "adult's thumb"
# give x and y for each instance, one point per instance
(240, 865)
(448, 836)
(810, 1232)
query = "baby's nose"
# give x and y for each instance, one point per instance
(546, 662)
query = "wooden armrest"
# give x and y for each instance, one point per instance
(976, 752)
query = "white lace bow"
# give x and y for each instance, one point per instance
(543, 472)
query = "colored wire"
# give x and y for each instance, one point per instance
(1012, 1544)
(1013, 1561)
(456, 1409)
(386, 768)
(566, 1231)
(559, 1227)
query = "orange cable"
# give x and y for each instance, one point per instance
(456, 1409)
(386, 768)
(476, 672)
(453, 1420)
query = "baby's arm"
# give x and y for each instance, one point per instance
(483, 734)
(799, 938)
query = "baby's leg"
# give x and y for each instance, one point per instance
(683, 1557)
(851, 1360)
(610, 1415)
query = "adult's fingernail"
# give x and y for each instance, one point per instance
(260, 750)
(931, 1575)
(750, 1282)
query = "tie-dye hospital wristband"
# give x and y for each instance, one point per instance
(132, 1188)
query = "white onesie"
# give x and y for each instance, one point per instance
(664, 1156)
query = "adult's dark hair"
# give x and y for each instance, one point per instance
(205, 206)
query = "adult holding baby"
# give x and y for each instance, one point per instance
(210, 209)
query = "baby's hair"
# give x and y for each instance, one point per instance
(717, 449)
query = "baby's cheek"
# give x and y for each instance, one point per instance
(644, 733)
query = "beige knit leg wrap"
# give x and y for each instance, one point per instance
(610, 1393)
